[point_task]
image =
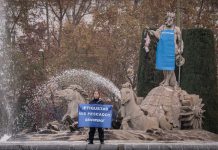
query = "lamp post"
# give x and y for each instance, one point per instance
(43, 57)
(41, 103)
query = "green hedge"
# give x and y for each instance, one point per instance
(198, 75)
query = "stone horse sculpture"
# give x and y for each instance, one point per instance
(74, 95)
(133, 116)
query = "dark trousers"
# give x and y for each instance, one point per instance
(100, 134)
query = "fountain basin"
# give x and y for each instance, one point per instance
(115, 140)
(109, 145)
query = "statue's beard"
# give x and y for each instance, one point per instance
(169, 22)
(169, 25)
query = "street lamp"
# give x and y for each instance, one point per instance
(43, 65)
(43, 58)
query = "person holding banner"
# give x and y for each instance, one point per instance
(92, 130)
(95, 115)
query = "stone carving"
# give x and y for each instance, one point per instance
(172, 107)
(138, 136)
(74, 95)
(163, 107)
(164, 104)
(170, 43)
(191, 110)
(133, 116)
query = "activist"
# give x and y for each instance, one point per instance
(96, 100)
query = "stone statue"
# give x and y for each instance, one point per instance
(170, 47)
(174, 108)
(163, 108)
(133, 116)
(74, 95)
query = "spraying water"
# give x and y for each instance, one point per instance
(5, 137)
(45, 106)
(6, 115)
(86, 79)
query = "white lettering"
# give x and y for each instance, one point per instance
(95, 108)
(99, 114)
(94, 120)
(82, 113)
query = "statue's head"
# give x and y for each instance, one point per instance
(78, 89)
(126, 92)
(169, 19)
(130, 72)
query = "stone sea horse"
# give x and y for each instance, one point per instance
(133, 117)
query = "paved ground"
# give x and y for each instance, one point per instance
(109, 145)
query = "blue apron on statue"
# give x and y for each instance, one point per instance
(165, 55)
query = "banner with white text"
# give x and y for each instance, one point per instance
(95, 115)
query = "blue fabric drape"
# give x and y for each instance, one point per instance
(165, 55)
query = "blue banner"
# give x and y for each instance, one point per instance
(95, 115)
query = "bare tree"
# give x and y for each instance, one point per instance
(78, 9)
(200, 12)
(47, 24)
(59, 9)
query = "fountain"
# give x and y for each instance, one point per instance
(52, 99)
(86, 79)
(65, 91)
(5, 106)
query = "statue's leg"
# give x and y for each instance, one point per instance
(164, 73)
(122, 111)
(124, 124)
(168, 76)
(173, 81)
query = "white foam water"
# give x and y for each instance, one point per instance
(5, 137)
(86, 79)
(5, 105)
